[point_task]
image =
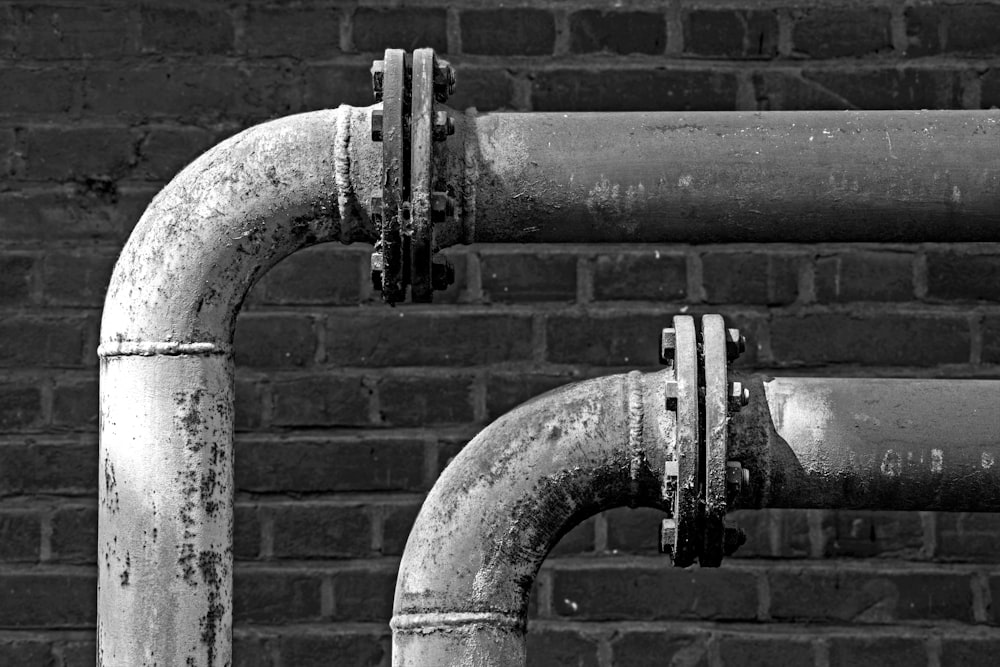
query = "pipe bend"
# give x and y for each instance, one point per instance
(227, 218)
(503, 503)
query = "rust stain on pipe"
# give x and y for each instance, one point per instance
(504, 502)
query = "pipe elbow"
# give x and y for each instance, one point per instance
(505, 501)
(227, 218)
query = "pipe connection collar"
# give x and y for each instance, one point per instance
(654, 440)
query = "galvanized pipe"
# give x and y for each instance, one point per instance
(166, 497)
(870, 443)
(503, 503)
(165, 518)
(711, 177)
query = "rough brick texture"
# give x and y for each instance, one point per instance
(347, 410)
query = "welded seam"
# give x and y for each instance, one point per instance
(471, 176)
(419, 623)
(342, 164)
(157, 348)
(635, 418)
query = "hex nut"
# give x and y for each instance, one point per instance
(376, 122)
(736, 344)
(668, 345)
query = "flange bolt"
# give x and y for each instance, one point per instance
(739, 396)
(736, 344)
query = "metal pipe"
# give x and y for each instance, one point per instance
(716, 177)
(504, 502)
(166, 501)
(870, 443)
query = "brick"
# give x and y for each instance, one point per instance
(864, 276)
(647, 89)
(77, 278)
(751, 277)
(869, 534)
(20, 406)
(617, 32)
(308, 466)
(991, 340)
(301, 32)
(559, 648)
(251, 652)
(313, 530)
(326, 86)
(93, 210)
(423, 401)
(164, 151)
(891, 88)
(400, 28)
(968, 29)
(732, 34)
(323, 275)
(505, 391)
(522, 277)
(842, 32)
(578, 540)
(246, 532)
(860, 597)
(968, 536)
(20, 536)
(967, 650)
(877, 652)
(32, 468)
(16, 273)
(604, 594)
(40, 90)
(274, 341)
(46, 600)
(79, 654)
(195, 93)
(959, 276)
(314, 650)
(74, 535)
(44, 33)
(990, 89)
(397, 523)
(648, 275)
(404, 337)
(603, 339)
(177, 30)
(51, 342)
(657, 648)
(249, 403)
(274, 597)
(634, 530)
(763, 651)
(882, 339)
(508, 32)
(777, 90)
(486, 89)
(321, 401)
(77, 153)
(362, 595)
(25, 652)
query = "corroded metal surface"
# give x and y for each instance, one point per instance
(166, 506)
(888, 444)
(504, 502)
(737, 176)
(686, 506)
(716, 419)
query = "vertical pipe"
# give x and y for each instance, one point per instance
(165, 526)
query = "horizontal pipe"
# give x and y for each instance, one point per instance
(503, 503)
(870, 443)
(717, 177)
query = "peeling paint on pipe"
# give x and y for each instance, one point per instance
(166, 491)
(503, 503)
(870, 443)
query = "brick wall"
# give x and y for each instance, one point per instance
(341, 432)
